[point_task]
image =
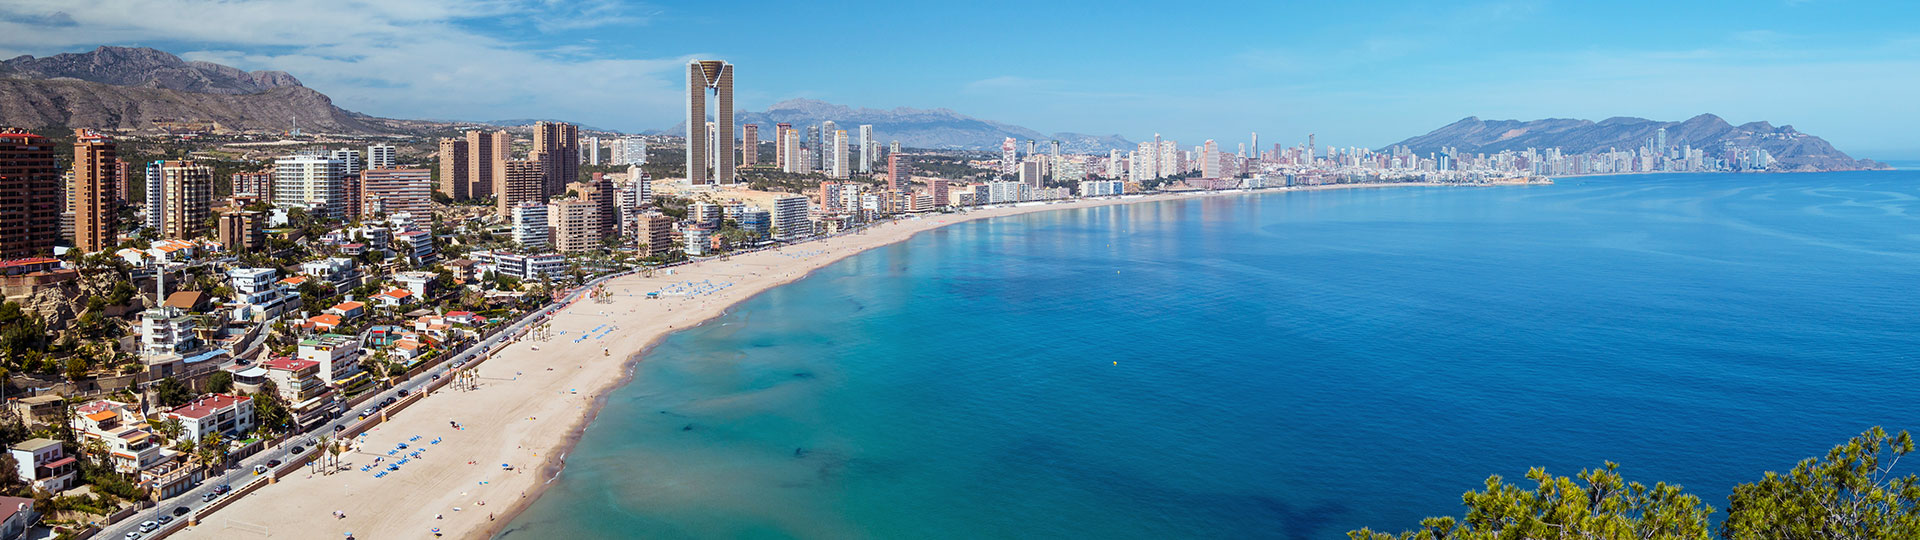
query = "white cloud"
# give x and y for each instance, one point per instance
(472, 59)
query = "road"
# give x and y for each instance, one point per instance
(242, 471)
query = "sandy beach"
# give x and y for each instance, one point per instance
(530, 405)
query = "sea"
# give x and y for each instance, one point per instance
(1272, 365)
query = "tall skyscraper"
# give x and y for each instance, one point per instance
(521, 180)
(701, 76)
(840, 153)
(454, 177)
(749, 145)
(558, 145)
(793, 154)
(592, 150)
(96, 222)
(30, 190)
(154, 195)
(814, 150)
(486, 161)
(1169, 159)
(379, 156)
(1145, 164)
(894, 180)
(393, 191)
(780, 135)
(1009, 159)
(1210, 160)
(1114, 165)
(316, 183)
(829, 159)
(1255, 147)
(867, 149)
(187, 200)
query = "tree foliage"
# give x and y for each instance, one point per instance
(1852, 493)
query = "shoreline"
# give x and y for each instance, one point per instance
(501, 435)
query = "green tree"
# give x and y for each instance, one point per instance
(76, 368)
(1594, 504)
(1852, 493)
(171, 393)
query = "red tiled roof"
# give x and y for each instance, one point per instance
(207, 405)
(288, 363)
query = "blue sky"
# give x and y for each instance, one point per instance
(1356, 73)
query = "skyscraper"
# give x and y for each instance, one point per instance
(894, 180)
(1169, 159)
(486, 158)
(454, 179)
(1114, 166)
(155, 198)
(829, 158)
(592, 151)
(793, 155)
(557, 144)
(780, 155)
(187, 200)
(521, 180)
(351, 158)
(814, 151)
(867, 149)
(703, 75)
(1008, 158)
(29, 195)
(379, 156)
(1255, 146)
(840, 153)
(96, 223)
(749, 145)
(1210, 160)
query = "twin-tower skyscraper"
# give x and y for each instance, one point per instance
(715, 75)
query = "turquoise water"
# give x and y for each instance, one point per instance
(1283, 365)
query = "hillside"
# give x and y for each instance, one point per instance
(1794, 150)
(131, 88)
(915, 128)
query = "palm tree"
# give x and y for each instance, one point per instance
(171, 428)
(97, 448)
(333, 454)
(213, 448)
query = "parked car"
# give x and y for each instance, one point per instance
(148, 526)
(164, 519)
(403, 393)
(181, 510)
(259, 469)
(296, 450)
(224, 488)
(133, 535)
(390, 400)
(208, 496)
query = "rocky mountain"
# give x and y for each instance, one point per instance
(914, 128)
(132, 88)
(147, 68)
(1794, 150)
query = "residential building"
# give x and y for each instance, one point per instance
(261, 288)
(16, 516)
(749, 145)
(379, 156)
(699, 240)
(241, 230)
(166, 331)
(341, 273)
(524, 267)
(393, 298)
(530, 228)
(868, 148)
(790, 220)
(226, 414)
(44, 464)
(520, 180)
(1100, 188)
(350, 158)
(96, 206)
(339, 356)
(389, 191)
(486, 161)
(186, 200)
(791, 160)
(1031, 172)
(657, 232)
(30, 205)
(454, 177)
(840, 169)
(315, 183)
(629, 151)
(257, 184)
(296, 380)
(418, 247)
(574, 225)
(420, 283)
(348, 310)
(557, 146)
(130, 446)
(703, 75)
(939, 188)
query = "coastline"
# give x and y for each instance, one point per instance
(439, 492)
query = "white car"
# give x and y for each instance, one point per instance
(148, 526)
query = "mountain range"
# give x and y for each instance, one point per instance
(1793, 150)
(132, 88)
(941, 129)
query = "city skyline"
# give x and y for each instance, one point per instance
(1365, 81)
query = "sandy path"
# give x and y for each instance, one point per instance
(531, 404)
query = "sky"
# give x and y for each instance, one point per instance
(1355, 73)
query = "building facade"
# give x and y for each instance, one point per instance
(704, 75)
(30, 205)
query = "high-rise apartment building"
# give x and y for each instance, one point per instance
(606, 201)
(1146, 159)
(187, 202)
(454, 178)
(657, 231)
(830, 160)
(521, 180)
(815, 151)
(394, 191)
(790, 218)
(1009, 155)
(1114, 164)
(894, 180)
(629, 151)
(1209, 160)
(30, 205)
(1169, 160)
(868, 149)
(351, 158)
(379, 156)
(840, 154)
(792, 158)
(530, 227)
(701, 76)
(749, 145)
(939, 188)
(486, 161)
(258, 184)
(557, 144)
(591, 151)
(241, 230)
(780, 155)
(314, 182)
(154, 197)
(96, 222)
(574, 225)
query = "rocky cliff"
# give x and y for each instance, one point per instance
(1794, 150)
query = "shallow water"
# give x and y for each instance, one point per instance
(1282, 365)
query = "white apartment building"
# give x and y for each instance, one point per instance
(379, 156)
(312, 182)
(790, 219)
(226, 414)
(530, 229)
(350, 158)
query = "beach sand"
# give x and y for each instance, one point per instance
(530, 405)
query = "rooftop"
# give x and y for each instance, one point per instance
(207, 405)
(288, 363)
(35, 445)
